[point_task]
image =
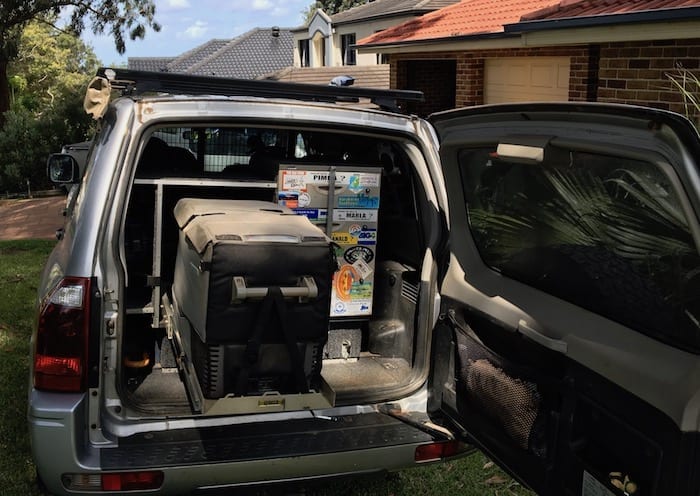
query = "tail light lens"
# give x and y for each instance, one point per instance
(118, 482)
(132, 481)
(438, 450)
(60, 359)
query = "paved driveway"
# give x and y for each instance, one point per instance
(36, 218)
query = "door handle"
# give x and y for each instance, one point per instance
(553, 344)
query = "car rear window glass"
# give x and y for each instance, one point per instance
(221, 147)
(606, 233)
(249, 151)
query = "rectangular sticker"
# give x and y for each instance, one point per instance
(343, 238)
(358, 201)
(363, 270)
(288, 199)
(592, 487)
(355, 215)
(353, 284)
(293, 180)
(299, 180)
(312, 213)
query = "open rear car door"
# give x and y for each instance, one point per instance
(569, 343)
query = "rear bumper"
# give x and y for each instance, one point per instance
(215, 458)
(57, 433)
(212, 478)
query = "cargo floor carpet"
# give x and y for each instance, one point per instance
(365, 373)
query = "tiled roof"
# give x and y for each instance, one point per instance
(587, 8)
(249, 56)
(366, 76)
(196, 55)
(153, 64)
(469, 17)
(474, 17)
(386, 8)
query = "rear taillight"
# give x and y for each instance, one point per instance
(132, 481)
(60, 359)
(438, 451)
(118, 482)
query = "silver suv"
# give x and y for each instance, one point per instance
(261, 282)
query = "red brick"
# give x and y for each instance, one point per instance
(649, 96)
(649, 74)
(663, 63)
(628, 53)
(676, 51)
(639, 64)
(606, 93)
(637, 84)
(614, 63)
(614, 83)
(627, 74)
(651, 51)
(672, 96)
(687, 63)
(625, 94)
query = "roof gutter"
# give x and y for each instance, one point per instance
(380, 17)
(647, 16)
(439, 41)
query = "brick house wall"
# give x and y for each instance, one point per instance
(636, 72)
(630, 72)
(469, 88)
(436, 78)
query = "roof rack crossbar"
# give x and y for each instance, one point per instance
(140, 82)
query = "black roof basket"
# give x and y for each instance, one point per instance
(140, 82)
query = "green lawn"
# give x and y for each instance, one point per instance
(20, 266)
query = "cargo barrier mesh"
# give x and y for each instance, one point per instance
(498, 391)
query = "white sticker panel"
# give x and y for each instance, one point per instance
(356, 215)
(363, 269)
(300, 179)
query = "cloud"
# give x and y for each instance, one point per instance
(279, 12)
(262, 4)
(196, 30)
(177, 4)
(273, 8)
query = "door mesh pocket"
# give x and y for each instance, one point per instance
(502, 393)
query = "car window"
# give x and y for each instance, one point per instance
(606, 233)
(219, 148)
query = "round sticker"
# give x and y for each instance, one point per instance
(354, 230)
(344, 279)
(304, 199)
(358, 252)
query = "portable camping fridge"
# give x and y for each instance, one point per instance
(253, 279)
(352, 205)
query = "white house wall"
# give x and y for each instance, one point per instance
(334, 56)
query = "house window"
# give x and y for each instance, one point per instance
(346, 42)
(382, 58)
(304, 57)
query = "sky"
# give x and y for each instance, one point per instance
(186, 24)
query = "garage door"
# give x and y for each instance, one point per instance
(526, 79)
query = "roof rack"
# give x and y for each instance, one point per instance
(140, 82)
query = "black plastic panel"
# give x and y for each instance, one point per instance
(259, 441)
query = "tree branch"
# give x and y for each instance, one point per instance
(16, 19)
